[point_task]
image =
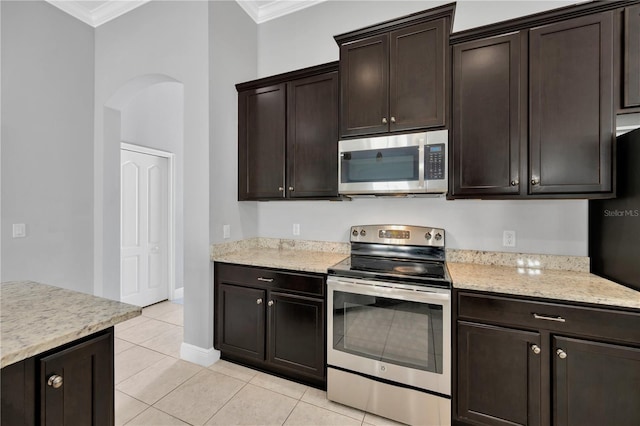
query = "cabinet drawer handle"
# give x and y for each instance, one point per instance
(548, 318)
(259, 302)
(270, 303)
(535, 349)
(55, 381)
(561, 354)
(266, 280)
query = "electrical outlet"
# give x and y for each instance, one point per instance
(19, 230)
(226, 231)
(509, 238)
(296, 229)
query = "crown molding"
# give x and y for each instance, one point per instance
(274, 9)
(100, 15)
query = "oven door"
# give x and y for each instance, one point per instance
(390, 331)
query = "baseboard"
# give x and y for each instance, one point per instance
(178, 293)
(198, 355)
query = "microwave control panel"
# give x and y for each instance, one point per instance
(434, 158)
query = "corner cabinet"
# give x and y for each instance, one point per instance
(271, 319)
(288, 135)
(533, 109)
(526, 362)
(70, 385)
(394, 75)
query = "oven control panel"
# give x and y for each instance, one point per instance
(398, 235)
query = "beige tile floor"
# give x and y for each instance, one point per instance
(154, 387)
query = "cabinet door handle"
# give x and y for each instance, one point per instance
(536, 349)
(535, 181)
(548, 318)
(561, 354)
(270, 303)
(259, 302)
(280, 188)
(55, 381)
(384, 120)
(266, 280)
(515, 182)
(393, 119)
(291, 188)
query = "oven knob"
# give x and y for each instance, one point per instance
(427, 235)
(363, 233)
(354, 233)
(438, 237)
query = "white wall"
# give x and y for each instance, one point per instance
(47, 150)
(155, 119)
(233, 58)
(306, 38)
(168, 38)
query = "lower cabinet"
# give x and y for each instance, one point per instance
(522, 362)
(271, 319)
(70, 385)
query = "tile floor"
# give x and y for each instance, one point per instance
(154, 387)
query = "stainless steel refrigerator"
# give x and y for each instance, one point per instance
(614, 224)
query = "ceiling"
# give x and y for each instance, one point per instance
(97, 12)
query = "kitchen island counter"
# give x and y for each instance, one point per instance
(35, 318)
(556, 285)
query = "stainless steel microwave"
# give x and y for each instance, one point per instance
(415, 163)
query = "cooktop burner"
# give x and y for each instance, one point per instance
(396, 253)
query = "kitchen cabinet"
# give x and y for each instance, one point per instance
(533, 108)
(528, 362)
(72, 384)
(288, 135)
(271, 319)
(394, 75)
(631, 57)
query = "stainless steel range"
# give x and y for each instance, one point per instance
(389, 325)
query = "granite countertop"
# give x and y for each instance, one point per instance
(37, 317)
(550, 284)
(294, 260)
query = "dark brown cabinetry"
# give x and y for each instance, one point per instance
(631, 57)
(272, 320)
(69, 385)
(288, 135)
(533, 109)
(394, 74)
(530, 363)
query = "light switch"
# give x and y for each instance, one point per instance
(226, 231)
(296, 229)
(19, 230)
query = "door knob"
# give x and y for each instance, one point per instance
(55, 381)
(155, 249)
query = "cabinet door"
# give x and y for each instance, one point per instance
(312, 140)
(261, 142)
(498, 375)
(296, 338)
(487, 102)
(416, 76)
(632, 56)
(595, 383)
(85, 396)
(240, 320)
(364, 86)
(571, 106)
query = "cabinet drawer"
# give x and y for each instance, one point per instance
(270, 278)
(596, 322)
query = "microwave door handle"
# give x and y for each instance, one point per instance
(421, 165)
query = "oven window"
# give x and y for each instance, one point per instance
(390, 330)
(380, 165)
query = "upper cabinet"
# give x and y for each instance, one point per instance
(533, 107)
(631, 57)
(288, 135)
(393, 76)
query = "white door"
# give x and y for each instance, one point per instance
(144, 268)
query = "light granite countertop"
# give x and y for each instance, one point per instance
(294, 260)
(550, 284)
(37, 317)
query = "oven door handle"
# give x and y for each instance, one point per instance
(387, 290)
